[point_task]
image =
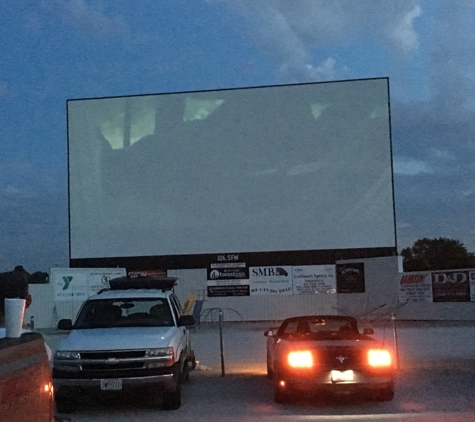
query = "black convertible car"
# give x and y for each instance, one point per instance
(327, 353)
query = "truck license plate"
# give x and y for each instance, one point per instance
(112, 384)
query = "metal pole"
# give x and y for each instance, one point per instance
(396, 346)
(221, 340)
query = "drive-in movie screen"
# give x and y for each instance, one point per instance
(279, 168)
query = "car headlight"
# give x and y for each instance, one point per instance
(159, 351)
(65, 354)
(300, 359)
(379, 358)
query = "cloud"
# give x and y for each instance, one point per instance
(403, 34)
(326, 71)
(410, 167)
(291, 30)
(91, 21)
(34, 223)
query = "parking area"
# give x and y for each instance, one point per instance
(436, 380)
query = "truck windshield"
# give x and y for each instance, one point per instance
(139, 312)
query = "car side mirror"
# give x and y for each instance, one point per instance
(65, 324)
(269, 333)
(368, 331)
(185, 320)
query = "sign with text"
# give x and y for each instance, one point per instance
(350, 278)
(228, 271)
(451, 286)
(270, 280)
(77, 284)
(415, 288)
(228, 290)
(314, 279)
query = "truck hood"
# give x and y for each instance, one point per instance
(122, 338)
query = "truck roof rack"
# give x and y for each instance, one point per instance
(124, 283)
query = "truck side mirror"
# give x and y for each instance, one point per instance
(65, 324)
(186, 320)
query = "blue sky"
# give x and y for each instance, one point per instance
(54, 50)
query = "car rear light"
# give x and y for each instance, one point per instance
(379, 358)
(300, 359)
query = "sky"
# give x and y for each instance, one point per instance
(55, 50)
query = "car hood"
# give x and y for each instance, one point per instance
(121, 338)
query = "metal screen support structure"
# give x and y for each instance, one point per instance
(221, 341)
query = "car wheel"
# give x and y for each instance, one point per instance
(172, 401)
(270, 372)
(280, 395)
(386, 394)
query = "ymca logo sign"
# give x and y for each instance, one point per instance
(67, 280)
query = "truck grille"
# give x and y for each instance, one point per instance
(115, 354)
(112, 364)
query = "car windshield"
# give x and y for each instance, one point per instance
(140, 312)
(319, 328)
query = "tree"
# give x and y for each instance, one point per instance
(437, 254)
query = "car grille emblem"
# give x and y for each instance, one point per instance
(341, 359)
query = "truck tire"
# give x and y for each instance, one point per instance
(65, 403)
(172, 401)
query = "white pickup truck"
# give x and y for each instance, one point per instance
(131, 336)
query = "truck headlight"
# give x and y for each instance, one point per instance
(65, 354)
(159, 351)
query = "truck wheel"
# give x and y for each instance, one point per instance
(172, 401)
(65, 403)
(186, 371)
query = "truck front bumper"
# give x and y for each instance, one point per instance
(165, 382)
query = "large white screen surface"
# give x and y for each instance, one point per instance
(291, 167)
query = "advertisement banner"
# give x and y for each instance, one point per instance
(472, 285)
(270, 280)
(228, 290)
(314, 279)
(228, 271)
(98, 280)
(77, 284)
(350, 278)
(451, 286)
(415, 288)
